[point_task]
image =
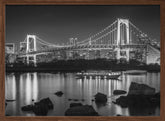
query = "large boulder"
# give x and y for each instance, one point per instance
(100, 98)
(85, 110)
(144, 99)
(140, 89)
(139, 105)
(135, 100)
(47, 102)
(119, 92)
(40, 108)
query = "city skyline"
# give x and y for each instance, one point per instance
(56, 24)
(70, 60)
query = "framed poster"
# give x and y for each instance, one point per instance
(82, 60)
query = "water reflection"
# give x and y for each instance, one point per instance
(10, 88)
(31, 87)
(25, 87)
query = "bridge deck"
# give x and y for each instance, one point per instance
(85, 47)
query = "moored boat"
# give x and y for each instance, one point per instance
(109, 75)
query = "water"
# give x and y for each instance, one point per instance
(23, 87)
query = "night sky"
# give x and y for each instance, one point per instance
(56, 24)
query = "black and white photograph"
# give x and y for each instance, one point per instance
(82, 60)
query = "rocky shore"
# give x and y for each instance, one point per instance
(140, 98)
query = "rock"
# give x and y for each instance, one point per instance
(137, 100)
(122, 101)
(100, 98)
(10, 100)
(119, 115)
(27, 108)
(139, 95)
(140, 89)
(69, 99)
(7, 115)
(83, 100)
(156, 98)
(157, 95)
(75, 99)
(5, 104)
(59, 93)
(119, 92)
(143, 110)
(40, 108)
(114, 102)
(75, 104)
(85, 110)
(47, 102)
(140, 102)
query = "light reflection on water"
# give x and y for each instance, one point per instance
(26, 87)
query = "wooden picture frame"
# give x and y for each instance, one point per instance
(3, 3)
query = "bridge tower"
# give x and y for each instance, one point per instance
(30, 47)
(122, 39)
(31, 40)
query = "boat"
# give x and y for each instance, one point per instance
(99, 75)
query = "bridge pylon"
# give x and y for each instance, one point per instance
(30, 47)
(122, 28)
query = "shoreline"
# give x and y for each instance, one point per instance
(78, 67)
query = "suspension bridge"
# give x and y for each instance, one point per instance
(121, 37)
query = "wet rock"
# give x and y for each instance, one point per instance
(27, 108)
(85, 110)
(119, 92)
(137, 100)
(140, 100)
(122, 101)
(75, 104)
(144, 110)
(75, 99)
(83, 100)
(69, 99)
(7, 100)
(47, 102)
(100, 98)
(140, 89)
(40, 108)
(59, 93)
(119, 115)
(156, 98)
(5, 104)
